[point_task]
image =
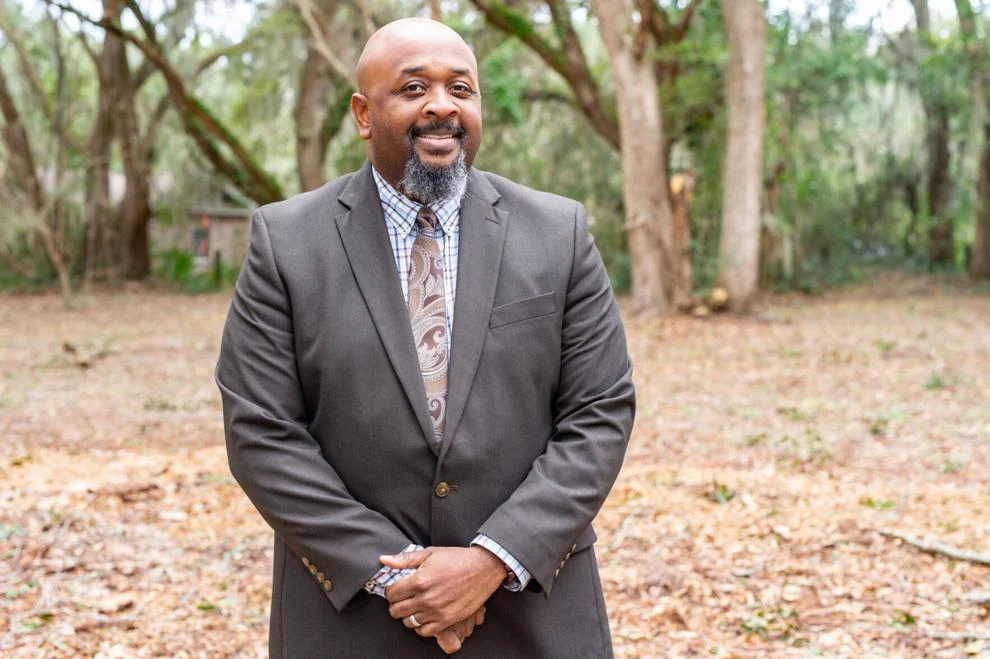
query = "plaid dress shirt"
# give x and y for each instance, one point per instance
(400, 220)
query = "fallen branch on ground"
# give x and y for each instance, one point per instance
(978, 597)
(960, 636)
(936, 547)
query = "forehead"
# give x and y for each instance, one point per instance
(443, 57)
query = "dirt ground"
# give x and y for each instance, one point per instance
(768, 454)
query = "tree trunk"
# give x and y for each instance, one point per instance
(941, 248)
(742, 174)
(315, 113)
(18, 146)
(980, 263)
(979, 266)
(649, 217)
(97, 213)
(135, 209)
(682, 192)
(311, 108)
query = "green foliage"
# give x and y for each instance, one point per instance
(721, 493)
(952, 465)
(844, 150)
(771, 621)
(178, 267)
(504, 86)
(877, 504)
(903, 619)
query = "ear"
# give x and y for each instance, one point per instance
(362, 114)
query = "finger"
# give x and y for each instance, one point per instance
(479, 617)
(407, 559)
(431, 629)
(402, 589)
(448, 642)
(406, 608)
(408, 623)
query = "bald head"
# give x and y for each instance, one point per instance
(398, 38)
(418, 104)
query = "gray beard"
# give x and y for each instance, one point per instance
(428, 185)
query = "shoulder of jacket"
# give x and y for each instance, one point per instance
(518, 195)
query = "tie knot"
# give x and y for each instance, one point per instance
(426, 219)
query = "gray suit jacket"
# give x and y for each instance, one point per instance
(328, 433)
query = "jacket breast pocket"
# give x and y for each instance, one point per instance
(515, 312)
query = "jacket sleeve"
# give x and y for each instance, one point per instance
(271, 453)
(593, 416)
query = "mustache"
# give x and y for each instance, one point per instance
(438, 127)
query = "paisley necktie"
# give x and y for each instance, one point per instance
(428, 316)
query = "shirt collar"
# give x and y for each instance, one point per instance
(401, 211)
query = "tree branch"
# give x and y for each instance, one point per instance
(960, 636)
(335, 116)
(224, 51)
(933, 546)
(659, 22)
(320, 42)
(199, 122)
(88, 48)
(546, 95)
(24, 62)
(685, 22)
(18, 144)
(647, 11)
(568, 60)
(514, 23)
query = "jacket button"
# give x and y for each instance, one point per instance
(442, 489)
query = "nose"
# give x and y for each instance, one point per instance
(439, 105)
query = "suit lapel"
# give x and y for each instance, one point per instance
(365, 239)
(482, 229)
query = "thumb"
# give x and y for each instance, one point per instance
(407, 559)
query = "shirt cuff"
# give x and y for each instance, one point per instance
(387, 576)
(518, 576)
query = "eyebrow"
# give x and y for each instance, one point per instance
(413, 70)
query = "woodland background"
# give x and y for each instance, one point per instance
(820, 169)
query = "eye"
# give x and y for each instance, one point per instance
(414, 88)
(461, 89)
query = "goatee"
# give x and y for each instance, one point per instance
(428, 184)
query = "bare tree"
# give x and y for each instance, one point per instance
(649, 216)
(18, 145)
(325, 86)
(654, 247)
(742, 172)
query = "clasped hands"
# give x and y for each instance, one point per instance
(446, 594)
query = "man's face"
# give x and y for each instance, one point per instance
(421, 100)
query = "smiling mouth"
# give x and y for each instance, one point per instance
(438, 134)
(436, 138)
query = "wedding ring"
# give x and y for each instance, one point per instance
(413, 621)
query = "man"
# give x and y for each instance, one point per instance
(417, 355)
